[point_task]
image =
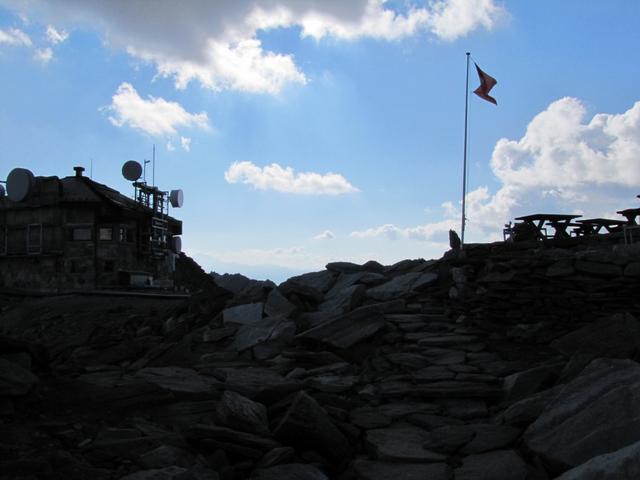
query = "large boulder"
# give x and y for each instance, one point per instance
(14, 379)
(248, 314)
(615, 337)
(618, 465)
(402, 286)
(307, 425)
(347, 330)
(596, 413)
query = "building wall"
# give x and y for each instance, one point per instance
(75, 246)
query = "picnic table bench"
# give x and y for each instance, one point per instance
(593, 226)
(559, 222)
(630, 214)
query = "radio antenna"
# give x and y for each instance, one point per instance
(153, 177)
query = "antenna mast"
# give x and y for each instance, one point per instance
(153, 178)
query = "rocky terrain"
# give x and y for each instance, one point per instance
(503, 361)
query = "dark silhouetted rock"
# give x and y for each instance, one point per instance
(271, 329)
(347, 330)
(522, 384)
(14, 379)
(240, 413)
(278, 305)
(293, 471)
(497, 465)
(248, 314)
(598, 269)
(596, 413)
(401, 286)
(618, 465)
(168, 473)
(374, 470)
(400, 444)
(615, 337)
(307, 425)
(321, 281)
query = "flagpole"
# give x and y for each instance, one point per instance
(464, 168)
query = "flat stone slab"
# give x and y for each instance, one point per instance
(497, 465)
(398, 287)
(178, 379)
(596, 413)
(247, 314)
(257, 381)
(241, 413)
(290, 471)
(472, 438)
(400, 444)
(321, 281)
(271, 329)
(446, 340)
(374, 470)
(347, 330)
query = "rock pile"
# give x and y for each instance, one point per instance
(495, 362)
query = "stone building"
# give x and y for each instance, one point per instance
(61, 234)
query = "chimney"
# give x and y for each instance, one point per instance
(79, 171)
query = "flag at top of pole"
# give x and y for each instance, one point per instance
(487, 82)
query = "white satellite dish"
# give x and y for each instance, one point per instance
(132, 170)
(176, 244)
(176, 197)
(20, 184)
(2, 191)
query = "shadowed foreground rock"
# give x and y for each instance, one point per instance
(501, 361)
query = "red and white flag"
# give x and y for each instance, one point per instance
(487, 82)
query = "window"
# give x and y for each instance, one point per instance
(34, 238)
(105, 234)
(81, 233)
(125, 234)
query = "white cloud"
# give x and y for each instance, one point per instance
(155, 116)
(43, 55)
(326, 235)
(217, 43)
(15, 37)
(170, 146)
(56, 36)
(452, 19)
(274, 177)
(428, 233)
(564, 163)
(185, 143)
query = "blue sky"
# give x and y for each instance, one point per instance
(310, 131)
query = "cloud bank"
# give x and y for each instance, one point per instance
(217, 43)
(274, 177)
(564, 163)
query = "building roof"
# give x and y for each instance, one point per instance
(79, 189)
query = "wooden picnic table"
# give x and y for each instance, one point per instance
(593, 226)
(630, 214)
(559, 222)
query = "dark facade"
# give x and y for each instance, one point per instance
(74, 233)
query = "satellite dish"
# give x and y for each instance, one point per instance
(176, 244)
(2, 191)
(176, 197)
(20, 184)
(132, 170)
